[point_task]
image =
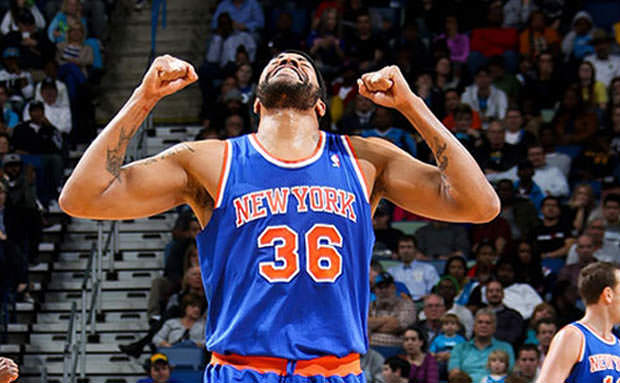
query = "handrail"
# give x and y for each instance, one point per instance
(68, 349)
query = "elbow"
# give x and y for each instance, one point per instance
(486, 209)
(70, 204)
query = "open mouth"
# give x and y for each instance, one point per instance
(290, 67)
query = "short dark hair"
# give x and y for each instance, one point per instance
(421, 334)
(546, 321)
(192, 300)
(594, 278)
(460, 377)
(528, 347)
(611, 197)
(550, 197)
(397, 363)
(407, 238)
(463, 109)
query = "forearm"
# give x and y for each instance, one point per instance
(461, 179)
(100, 166)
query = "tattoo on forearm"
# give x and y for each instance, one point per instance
(116, 155)
(175, 150)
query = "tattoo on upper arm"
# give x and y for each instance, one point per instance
(169, 153)
(116, 155)
(442, 160)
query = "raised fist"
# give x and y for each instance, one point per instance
(386, 87)
(167, 75)
(8, 370)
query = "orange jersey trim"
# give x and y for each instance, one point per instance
(316, 150)
(323, 366)
(223, 174)
(357, 161)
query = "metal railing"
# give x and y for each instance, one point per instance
(71, 349)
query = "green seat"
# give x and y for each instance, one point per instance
(408, 227)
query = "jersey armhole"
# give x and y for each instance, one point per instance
(355, 162)
(221, 185)
(582, 345)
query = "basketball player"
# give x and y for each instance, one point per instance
(587, 351)
(286, 213)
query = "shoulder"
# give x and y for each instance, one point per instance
(496, 343)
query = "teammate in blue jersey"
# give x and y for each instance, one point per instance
(587, 351)
(286, 213)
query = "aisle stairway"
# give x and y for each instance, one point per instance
(129, 48)
(38, 341)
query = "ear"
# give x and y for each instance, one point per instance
(320, 108)
(607, 295)
(257, 106)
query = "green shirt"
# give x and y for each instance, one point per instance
(468, 358)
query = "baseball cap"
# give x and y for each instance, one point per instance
(159, 357)
(384, 278)
(11, 158)
(10, 52)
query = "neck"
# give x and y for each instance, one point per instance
(481, 341)
(484, 92)
(550, 221)
(289, 133)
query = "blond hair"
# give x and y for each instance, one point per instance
(500, 355)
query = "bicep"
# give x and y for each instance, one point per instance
(563, 353)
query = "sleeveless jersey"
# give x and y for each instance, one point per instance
(599, 361)
(285, 257)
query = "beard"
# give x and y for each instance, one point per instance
(278, 94)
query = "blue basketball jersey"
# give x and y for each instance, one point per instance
(599, 361)
(285, 257)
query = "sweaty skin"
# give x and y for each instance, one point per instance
(101, 187)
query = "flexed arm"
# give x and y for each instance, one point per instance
(101, 187)
(455, 190)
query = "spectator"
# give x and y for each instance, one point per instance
(225, 42)
(441, 240)
(9, 23)
(363, 45)
(456, 267)
(548, 140)
(578, 42)
(603, 250)
(509, 321)
(525, 185)
(564, 300)
(453, 100)
(419, 277)
(326, 43)
(434, 308)
(580, 205)
(496, 155)
(375, 270)
(184, 232)
(58, 115)
(389, 316)
(538, 37)
(528, 266)
(10, 118)
(485, 98)
(497, 365)
(553, 237)
(447, 289)
(423, 366)
(234, 126)
(444, 342)
(51, 71)
(284, 37)
(515, 130)
(247, 15)
(396, 370)
(13, 263)
(412, 43)
(190, 327)
(517, 13)
(545, 88)
(596, 162)
(506, 82)
(458, 43)
(519, 296)
(593, 92)
(385, 235)
(430, 93)
(574, 123)
(359, 118)
(585, 253)
(471, 356)
(35, 49)
(519, 212)
(446, 76)
(17, 81)
(372, 365)
(73, 51)
(486, 254)
(383, 126)
(611, 213)
(527, 363)
(606, 66)
(71, 11)
(545, 330)
(463, 121)
(245, 84)
(542, 310)
(459, 377)
(158, 370)
(493, 40)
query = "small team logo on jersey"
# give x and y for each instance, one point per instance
(335, 160)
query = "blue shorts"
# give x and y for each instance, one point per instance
(251, 369)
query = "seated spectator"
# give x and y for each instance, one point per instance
(606, 66)
(383, 126)
(51, 71)
(456, 267)
(326, 44)
(458, 43)
(431, 94)
(585, 255)
(518, 211)
(225, 42)
(564, 301)
(386, 237)
(593, 92)
(376, 269)
(485, 98)
(247, 15)
(548, 140)
(442, 345)
(542, 310)
(71, 11)
(424, 367)
(447, 288)
(372, 365)
(389, 316)
(58, 115)
(471, 356)
(419, 277)
(446, 77)
(553, 237)
(605, 251)
(574, 123)
(502, 80)
(468, 137)
(343, 90)
(497, 364)
(364, 46)
(9, 117)
(74, 51)
(578, 42)
(396, 370)
(545, 88)
(517, 13)
(9, 21)
(158, 370)
(453, 100)
(545, 330)
(515, 130)
(13, 263)
(491, 40)
(610, 212)
(486, 254)
(441, 240)
(17, 81)
(580, 205)
(596, 162)
(433, 309)
(519, 296)
(188, 328)
(495, 154)
(283, 37)
(527, 363)
(509, 321)
(245, 84)
(528, 266)
(538, 37)
(359, 118)
(525, 185)
(35, 49)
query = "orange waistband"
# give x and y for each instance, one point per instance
(324, 366)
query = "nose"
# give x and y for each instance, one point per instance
(291, 60)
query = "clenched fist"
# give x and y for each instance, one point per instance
(167, 75)
(8, 370)
(386, 87)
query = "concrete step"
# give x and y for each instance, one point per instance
(51, 378)
(151, 265)
(123, 276)
(155, 223)
(127, 241)
(107, 295)
(106, 327)
(131, 317)
(76, 285)
(59, 348)
(189, 130)
(101, 364)
(129, 256)
(114, 305)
